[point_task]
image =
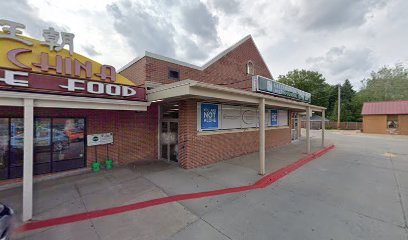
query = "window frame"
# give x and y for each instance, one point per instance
(173, 78)
(250, 68)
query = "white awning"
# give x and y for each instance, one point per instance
(195, 89)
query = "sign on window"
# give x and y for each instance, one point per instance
(274, 118)
(209, 116)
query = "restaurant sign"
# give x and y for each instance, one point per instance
(46, 66)
(266, 85)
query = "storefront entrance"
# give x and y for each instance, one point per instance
(294, 126)
(168, 138)
(59, 145)
(169, 132)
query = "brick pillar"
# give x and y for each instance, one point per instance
(187, 132)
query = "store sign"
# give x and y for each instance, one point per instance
(55, 56)
(209, 116)
(32, 82)
(265, 85)
(274, 117)
(99, 139)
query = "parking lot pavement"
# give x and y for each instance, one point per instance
(359, 190)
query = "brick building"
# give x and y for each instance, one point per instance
(227, 84)
(62, 111)
(389, 117)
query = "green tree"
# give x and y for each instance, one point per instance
(348, 111)
(386, 84)
(309, 81)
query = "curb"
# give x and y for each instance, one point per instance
(262, 183)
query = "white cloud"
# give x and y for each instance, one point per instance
(340, 38)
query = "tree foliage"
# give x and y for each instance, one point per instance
(388, 83)
(308, 81)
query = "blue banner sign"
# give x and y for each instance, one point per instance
(266, 85)
(209, 116)
(274, 117)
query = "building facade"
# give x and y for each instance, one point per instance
(61, 111)
(389, 117)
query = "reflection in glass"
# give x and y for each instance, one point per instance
(16, 141)
(4, 141)
(42, 140)
(68, 138)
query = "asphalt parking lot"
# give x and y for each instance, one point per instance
(359, 190)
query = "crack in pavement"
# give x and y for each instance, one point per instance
(86, 209)
(404, 215)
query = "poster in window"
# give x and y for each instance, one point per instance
(283, 117)
(230, 117)
(209, 116)
(274, 118)
(249, 117)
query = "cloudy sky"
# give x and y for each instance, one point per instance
(340, 38)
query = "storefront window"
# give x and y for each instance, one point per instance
(16, 141)
(68, 138)
(59, 145)
(42, 140)
(4, 144)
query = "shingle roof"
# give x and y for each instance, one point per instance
(389, 107)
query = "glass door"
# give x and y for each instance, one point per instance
(169, 140)
(295, 126)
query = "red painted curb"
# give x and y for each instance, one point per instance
(262, 183)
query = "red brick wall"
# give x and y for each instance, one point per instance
(136, 72)
(230, 70)
(198, 150)
(134, 133)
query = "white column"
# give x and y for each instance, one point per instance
(28, 159)
(262, 136)
(308, 129)
(323, 125)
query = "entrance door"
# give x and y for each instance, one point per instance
(295, 126)
(169, 140)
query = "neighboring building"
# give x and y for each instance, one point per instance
(390, 117)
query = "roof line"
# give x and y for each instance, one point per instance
(203, 67)
(135, 60)
(226, 51)
(172, 60)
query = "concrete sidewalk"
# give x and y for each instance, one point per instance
(136, 183)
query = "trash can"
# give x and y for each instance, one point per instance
(96, 166)
(108, 163)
